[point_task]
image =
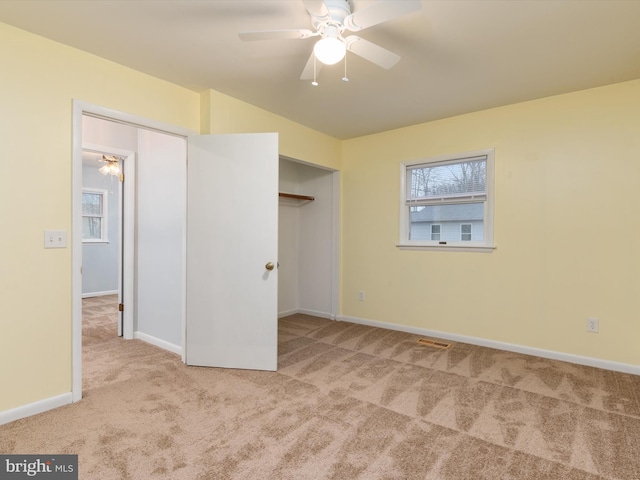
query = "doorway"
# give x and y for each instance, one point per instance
(103, 120)
(156, 209)
(103, 249)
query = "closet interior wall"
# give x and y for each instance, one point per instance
(305, 250)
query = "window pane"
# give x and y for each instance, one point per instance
(435, 232)
(92, 204)
(465, 232)
(447, 220)
(469, 177)
(91, 228)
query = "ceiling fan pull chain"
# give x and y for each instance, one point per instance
(345, 78)
(314, 83)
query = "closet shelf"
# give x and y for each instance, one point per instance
(294, 198)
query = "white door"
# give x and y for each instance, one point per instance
(232, 246)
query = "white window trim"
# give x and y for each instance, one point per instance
(104, 239)
(487, 245)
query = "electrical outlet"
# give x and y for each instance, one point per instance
(361, 296)
(593, 325)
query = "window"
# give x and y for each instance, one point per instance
(447, 202)
(94, 215)
(435, 232)
(465, 232)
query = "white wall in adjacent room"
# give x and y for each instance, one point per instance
(160, 236)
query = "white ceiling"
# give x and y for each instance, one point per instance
(92, 159)
(458, 56)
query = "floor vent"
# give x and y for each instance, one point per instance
(434, 343)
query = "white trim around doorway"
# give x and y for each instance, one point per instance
(81, 108)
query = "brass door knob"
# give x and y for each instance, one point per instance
(269, 266)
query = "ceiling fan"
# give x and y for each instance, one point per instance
(330, 19)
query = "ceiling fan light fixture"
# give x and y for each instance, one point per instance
(112, 167)
(329, 50)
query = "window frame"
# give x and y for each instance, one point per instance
(432, 232)
(487, 244)
(470, 233)
(104, 232)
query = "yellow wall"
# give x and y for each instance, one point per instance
(39, 80)
(567, 227)
(224, 114)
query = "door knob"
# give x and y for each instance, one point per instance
(269, 266)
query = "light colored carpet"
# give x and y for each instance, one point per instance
(347, 402)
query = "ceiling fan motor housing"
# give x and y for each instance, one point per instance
(338, 11)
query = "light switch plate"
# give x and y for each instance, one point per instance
(55, 239)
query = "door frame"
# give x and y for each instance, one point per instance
(80, 108)
(335, 244)
(335, 232)
(126, 232)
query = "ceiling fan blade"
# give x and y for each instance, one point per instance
(380, 12)
(316, 7)
(296, 33)
(307, 73)
(372, 52)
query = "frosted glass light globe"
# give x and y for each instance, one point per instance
(329, 50)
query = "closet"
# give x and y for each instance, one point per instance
(307, 240)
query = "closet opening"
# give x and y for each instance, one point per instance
(308, 239)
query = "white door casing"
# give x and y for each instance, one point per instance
(232, 234)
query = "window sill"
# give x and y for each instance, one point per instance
(95, 242)
(448, 248)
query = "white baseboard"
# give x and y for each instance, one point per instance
(316, 313)
(158, 343)
(538, 352)
(34, 408)
(99, 294)
(304, 311)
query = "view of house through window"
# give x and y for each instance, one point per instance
(94, 219)
(447, 201)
